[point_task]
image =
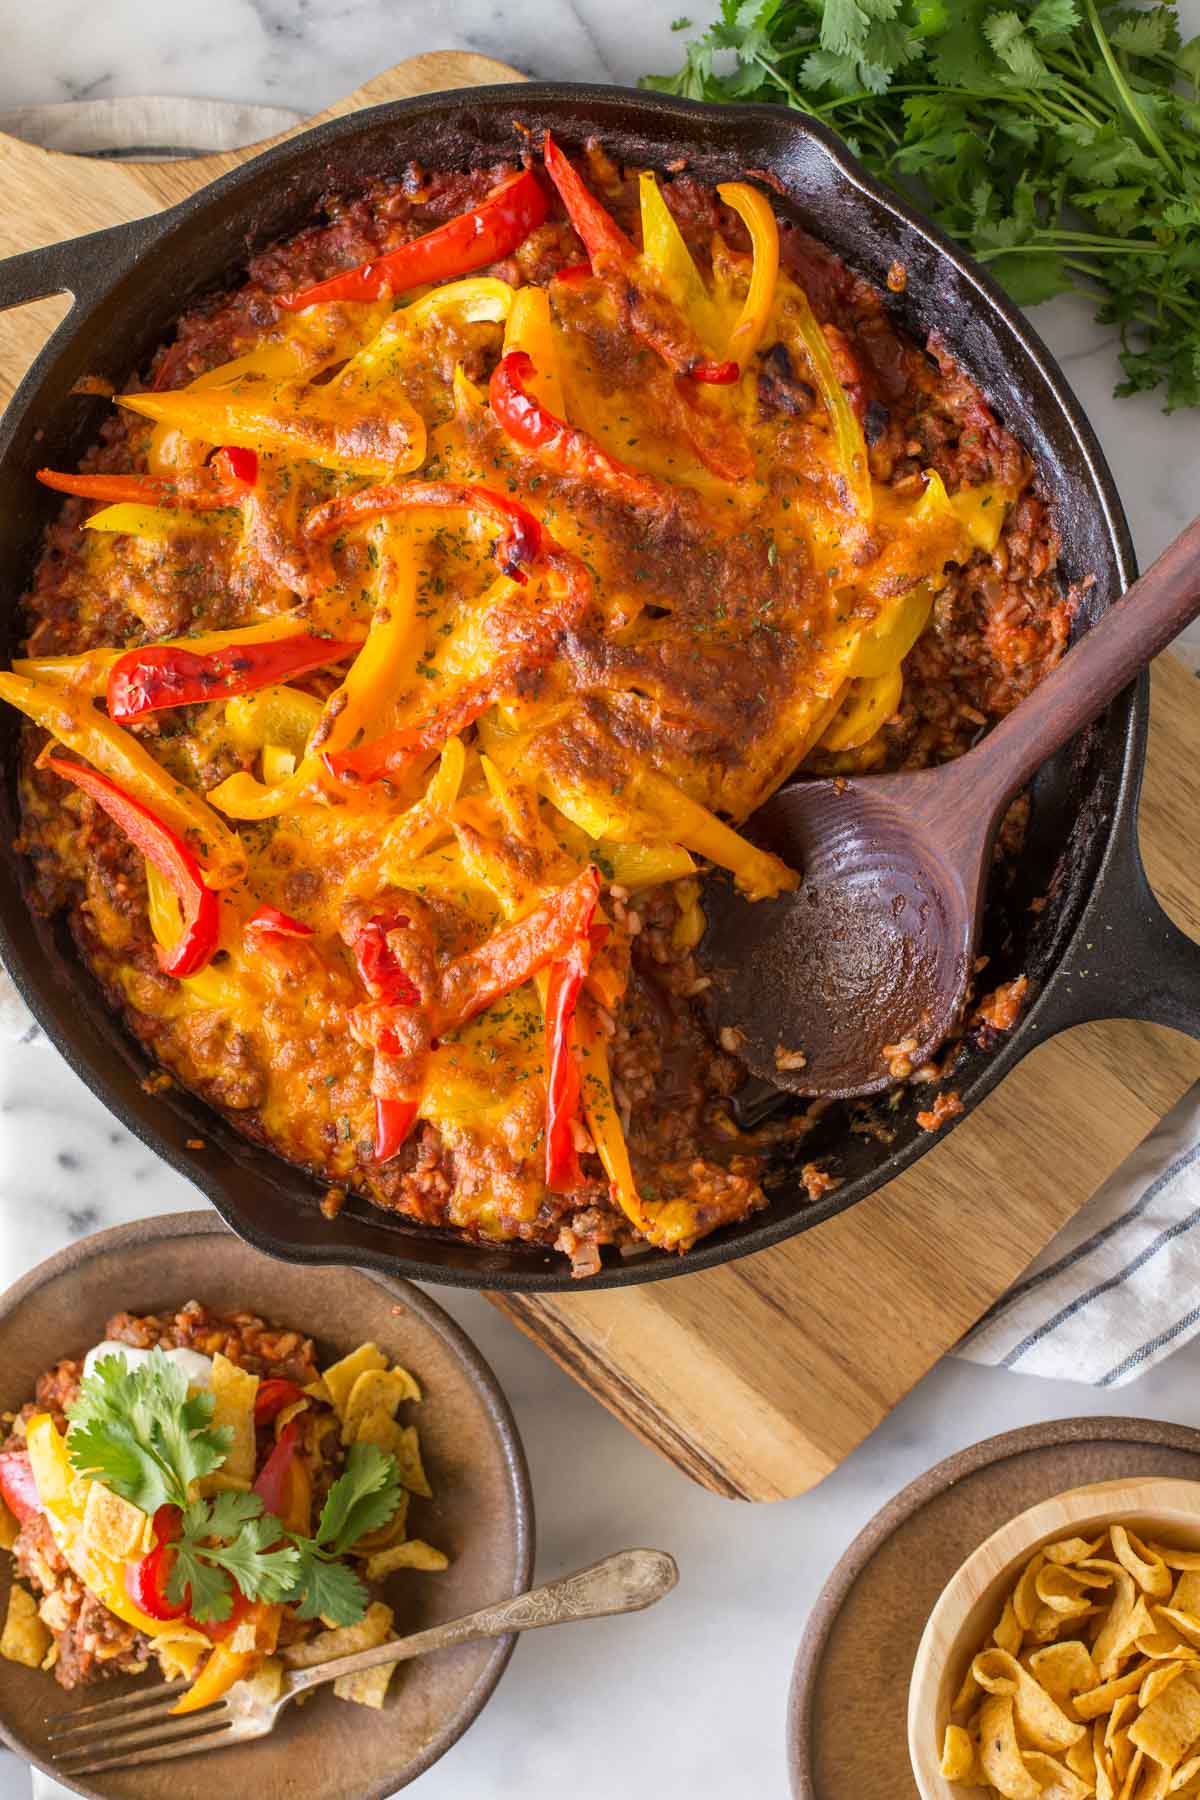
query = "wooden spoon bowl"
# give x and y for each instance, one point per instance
(875, 949)
(965, 1615)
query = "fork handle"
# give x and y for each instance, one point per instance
(622, 1583)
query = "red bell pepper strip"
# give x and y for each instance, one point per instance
(272, 1475)
(395, 1027)
(170, 856)
(563, 448)
(159, 675)
(393, 755)
(146, 1579)
(196, 489)
(379, 966)
(476, 980)
(18, 1489)
(394, 1119)
(238, 464)
(268, 921)
(563, 1089)
(649, 313)
(515, 551)
(500, 222)
(272, 1396)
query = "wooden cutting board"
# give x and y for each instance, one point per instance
(758, 1378)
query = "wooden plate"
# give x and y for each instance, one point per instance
(847, 1712)
(481, 1515)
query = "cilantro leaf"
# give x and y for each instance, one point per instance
(360, 1500)
(329, 1590)
(140, 1432)
(1059, 140)
(209, 1588)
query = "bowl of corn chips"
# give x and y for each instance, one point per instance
(1062, 1660)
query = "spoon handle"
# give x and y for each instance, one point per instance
(1133, 631)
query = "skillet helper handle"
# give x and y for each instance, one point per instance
(81, 266)
(628, 1581)
(1128, 959)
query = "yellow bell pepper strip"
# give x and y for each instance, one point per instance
(170, 856)
(533, 638)
(756, 214)
(62, 1495)
(869, 703)
(224, 1667)
(515, 953)
(283, 716)
(561, 447)
(323, 424)
(87, 674)
(161, 523)
(497, 226)
(664, 246)
(119, 755)
(360, 702)
(758, 873)
(886, 642)
(478, 300)
(531, 328)
(155, 676)
(298, 349)
(847, 432)
(643, 303)
(197, 488)
(515, 549)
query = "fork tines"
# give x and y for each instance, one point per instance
(136, 1728)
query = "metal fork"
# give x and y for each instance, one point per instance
(139, 1728)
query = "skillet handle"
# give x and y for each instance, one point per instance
(82, 266)
(1128, 960)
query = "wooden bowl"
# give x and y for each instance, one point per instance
(481, 1514)
(971, 1602)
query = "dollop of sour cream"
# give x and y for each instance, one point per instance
(196, 1367)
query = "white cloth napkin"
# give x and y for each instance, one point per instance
(1119, 1288)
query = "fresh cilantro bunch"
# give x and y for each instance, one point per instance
(1058, 140)
(143, 1435)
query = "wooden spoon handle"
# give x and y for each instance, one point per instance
(1132, 632)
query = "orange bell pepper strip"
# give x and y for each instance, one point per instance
(497, 226)
(224, 1667)
(516, 548)
(480, 977)
(642, 302)
(215, 485)
(536, 637)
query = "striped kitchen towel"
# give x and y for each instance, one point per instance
(1119, 1288)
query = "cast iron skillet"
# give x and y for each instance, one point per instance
(132, 282)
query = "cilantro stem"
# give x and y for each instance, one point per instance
(1123, 90)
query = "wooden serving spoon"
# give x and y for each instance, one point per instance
(878, 944)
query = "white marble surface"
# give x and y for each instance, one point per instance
(699, 1686)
